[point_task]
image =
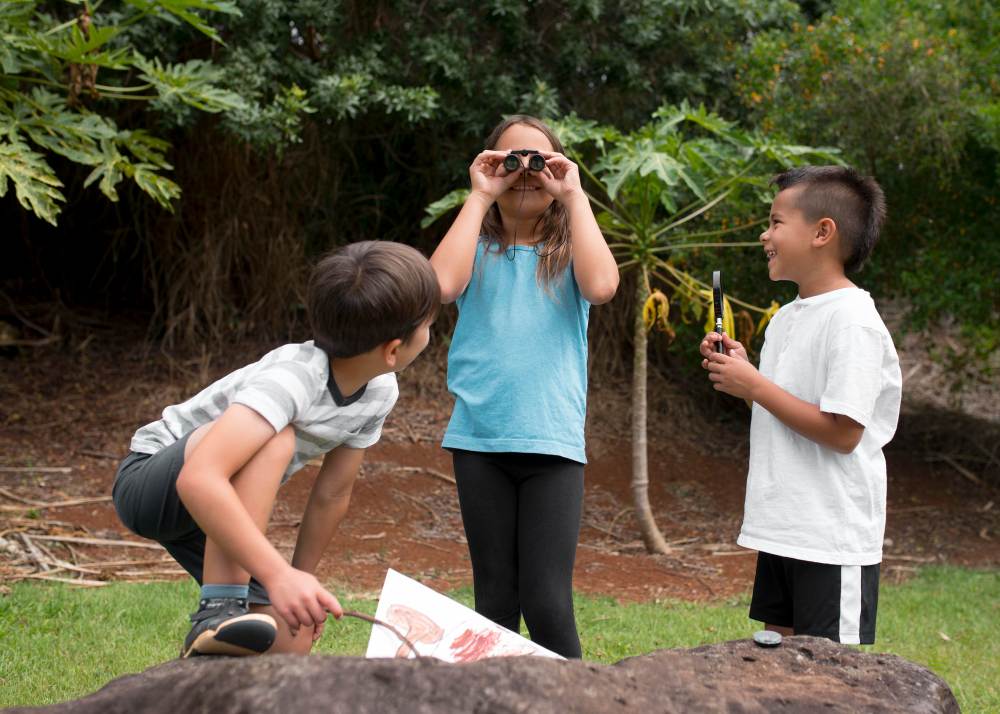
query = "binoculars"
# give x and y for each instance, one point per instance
(512, 163)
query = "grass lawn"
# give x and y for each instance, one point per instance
(59, 643)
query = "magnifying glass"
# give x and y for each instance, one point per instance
(718, 302)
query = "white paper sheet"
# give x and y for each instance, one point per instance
(440, 627)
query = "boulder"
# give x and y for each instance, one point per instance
(804, 674)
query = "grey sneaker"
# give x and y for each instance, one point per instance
(223, 626)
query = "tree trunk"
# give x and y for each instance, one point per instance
(651, 535)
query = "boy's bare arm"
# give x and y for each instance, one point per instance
(204, 485)
(205, 488)
(328, 502)
(834, 431)
(733, 374)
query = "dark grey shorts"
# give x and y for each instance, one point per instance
(145, 497)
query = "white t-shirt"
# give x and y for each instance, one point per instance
(288, 385)
(804, 500)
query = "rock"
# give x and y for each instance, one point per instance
(804, 674)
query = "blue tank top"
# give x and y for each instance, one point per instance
(517, 365)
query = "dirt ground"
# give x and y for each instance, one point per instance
(66, 416)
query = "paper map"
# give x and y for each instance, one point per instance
(440, 627)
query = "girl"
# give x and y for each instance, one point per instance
(524, 260)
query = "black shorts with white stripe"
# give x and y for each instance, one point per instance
(834, 601)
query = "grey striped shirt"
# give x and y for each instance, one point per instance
(286, 386)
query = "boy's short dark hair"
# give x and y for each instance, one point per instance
(368, 293)
(854, 202)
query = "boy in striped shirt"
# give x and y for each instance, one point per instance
(202, 480)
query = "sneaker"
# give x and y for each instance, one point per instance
(223, 626)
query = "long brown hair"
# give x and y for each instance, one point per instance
(554, 222)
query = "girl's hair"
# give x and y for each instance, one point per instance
(557, 251)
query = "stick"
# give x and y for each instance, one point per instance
(36, 469)
(429, 472)
(99, 541)
(409, 432)
(602, 529)
(123, 563)
(71, 581)
(98, 455)
(58, 504)
(14, 497)
(962, 470)
(34, 552)
(418, 502)
(911, 558)
(63, 565)
(386, 625)
(428, 545)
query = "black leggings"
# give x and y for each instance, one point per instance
(522, 519)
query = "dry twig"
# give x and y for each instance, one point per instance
(430, 472)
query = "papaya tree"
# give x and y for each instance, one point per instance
(65, 70)
(655, 191)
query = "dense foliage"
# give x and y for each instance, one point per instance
(333, 121)
(64, 70)
(910, 92)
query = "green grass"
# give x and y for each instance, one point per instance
(59, 643)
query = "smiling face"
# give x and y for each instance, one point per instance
(526, 198)
(788, 239)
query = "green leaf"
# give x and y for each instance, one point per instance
(160, 188)
(75, 47)
(621, 171)
(191, 83)
(35, 184)
(185, 11)
(109, 170)
(443, 205)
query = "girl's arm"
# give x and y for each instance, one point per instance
(456, 253)
(594, 266)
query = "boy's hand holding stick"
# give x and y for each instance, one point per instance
(301, 601)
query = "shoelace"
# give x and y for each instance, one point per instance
(225, 606)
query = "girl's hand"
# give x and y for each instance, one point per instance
(561, 177)
(732, 375)
(733, 348)
(488, 176)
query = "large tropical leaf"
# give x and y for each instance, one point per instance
(192, 83)
(443, 205)
(186, 11)
(35, 184)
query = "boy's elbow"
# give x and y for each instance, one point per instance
(848, 443)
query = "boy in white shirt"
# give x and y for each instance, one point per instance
(825, 400)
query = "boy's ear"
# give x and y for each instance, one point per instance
(826, 229)
(390, 351)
